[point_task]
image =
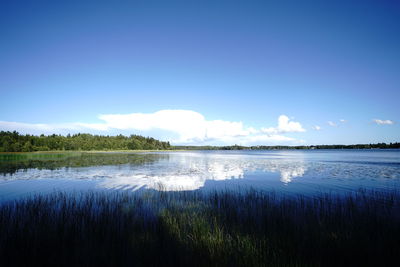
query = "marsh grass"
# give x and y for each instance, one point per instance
(250, 228)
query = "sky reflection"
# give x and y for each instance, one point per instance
(173, 171)
(190, 172)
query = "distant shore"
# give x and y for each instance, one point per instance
(187, 149)
(16, 142)
(311, 147)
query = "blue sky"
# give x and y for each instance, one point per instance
(203, 72)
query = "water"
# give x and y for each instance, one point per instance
(300, 171)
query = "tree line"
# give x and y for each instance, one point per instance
(238, 147)
(16, 142)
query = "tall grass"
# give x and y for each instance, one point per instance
(250, 228)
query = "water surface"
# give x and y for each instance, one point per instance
(289, 171)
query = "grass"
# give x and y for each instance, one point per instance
(251, 228)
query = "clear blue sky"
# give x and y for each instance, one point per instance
(232, 61)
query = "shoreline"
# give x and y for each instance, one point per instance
(183, 150)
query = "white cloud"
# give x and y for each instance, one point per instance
(284, 126)
(268, 138)
(316, 127)
(188, 126)
(383, 122)
(93, 126)
(335, 124)
(44, 128)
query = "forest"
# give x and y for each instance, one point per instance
(15, 142)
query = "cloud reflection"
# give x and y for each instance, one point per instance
(174, 171)
(191, 172)
(288, 174)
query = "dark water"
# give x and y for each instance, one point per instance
(304, 171)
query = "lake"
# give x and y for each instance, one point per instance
(285, 171)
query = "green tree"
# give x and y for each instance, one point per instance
(135, 144)
(27, 147)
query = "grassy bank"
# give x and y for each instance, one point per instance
(194, 229)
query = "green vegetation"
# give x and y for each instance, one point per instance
(250, 228)
(15, 142)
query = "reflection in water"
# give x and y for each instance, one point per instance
(198, 169)
(191, 172)
(166, 171)
(181, 177)
(289, 173)
(12, 163)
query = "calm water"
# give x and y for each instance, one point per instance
(306, 171)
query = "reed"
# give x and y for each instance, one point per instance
(249, 228)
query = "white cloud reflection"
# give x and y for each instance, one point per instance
(176, 171)
(288, 174)
(191, 173)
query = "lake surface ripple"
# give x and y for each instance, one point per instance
(289, 171)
